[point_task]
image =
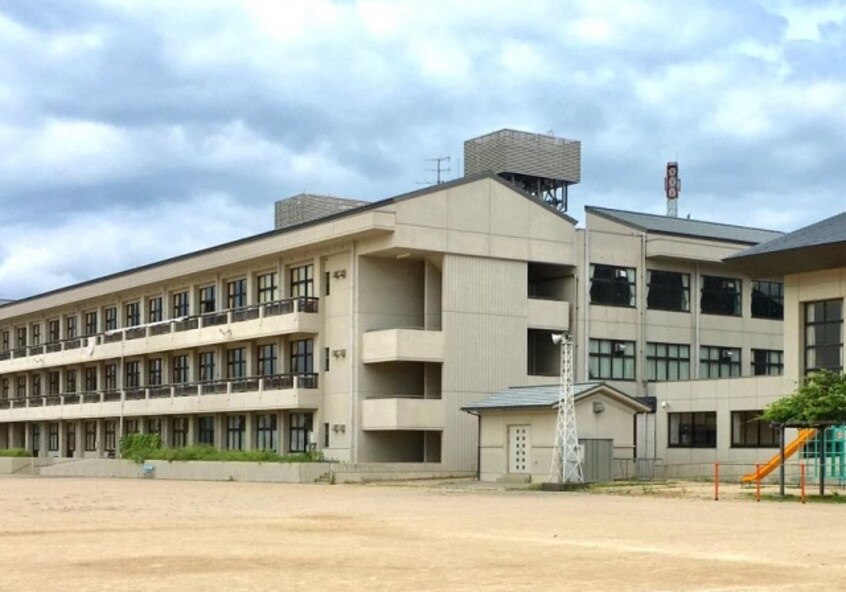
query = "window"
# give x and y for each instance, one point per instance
(236, 293)
(236, 363)
(326, 435)
(668, 290)
(53, 330)
(767, 300)
(91, 323)
(70, 327)
(53, 436)
(90, 436)
(300, 426)
(748, 431)
(267, 288)
(613, 360)
(21, 337)
(154, 426)
(181, 306)
(53, 383)
(205, 430)
(207, 300)
(5, 341)
(90, 379)
(266, 435)
(720, 296)
(667, 361)
(693, 430)
(36, 385)
(235, 428)
(109, 439)
(5, 387)
(111, 377)
(132, 370)
(155, 309)
(133, 314)
(266, 359)
(36, 439)
(35, 331)
(207, 365)
(179, 432)
(302, 281)
(326, 284)
(20, 391)
(180, 369)
(719, 362)
(70, 438)
(70, 381)
(767, 361)
(302, 356)
(824, 335)
(612, 286)
(130, 426)
(154, 372)
(111, 318)
(326, 357)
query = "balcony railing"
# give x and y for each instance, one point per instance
(248, 384)
(237, 315)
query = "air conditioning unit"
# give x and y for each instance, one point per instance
(619, 349)
(726, 354)
(622, 274)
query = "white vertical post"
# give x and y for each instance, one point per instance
(566, 460)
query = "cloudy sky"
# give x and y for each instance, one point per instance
(134, 131)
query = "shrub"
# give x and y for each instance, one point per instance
(14, 452)
(139, 447)
(210, 453)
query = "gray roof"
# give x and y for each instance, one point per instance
(806, 249)
(687, 227)
(544, 396)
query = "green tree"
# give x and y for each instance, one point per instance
(821, 398)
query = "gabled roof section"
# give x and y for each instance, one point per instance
(821, 245)
(546, 397)
(686, 227)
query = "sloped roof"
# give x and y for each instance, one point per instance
(546, 396)
(808, 249)
(687, 227)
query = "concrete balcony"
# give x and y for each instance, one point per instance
(300, 315)
(283, 391)
(403, 345)
(402, 413)
(548, 314)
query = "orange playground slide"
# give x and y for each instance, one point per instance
(789, 450)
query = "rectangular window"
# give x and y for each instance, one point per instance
(326, 435)
(130, 426)
(302, 356)
(36, 440)
(35, 331)
(154, 372)
(180, 369)
(133, 314)
(611, 285)
(207, 299)
(236, 363)
(90, 378)
(720, 296)
(20, 392)
(748, 431)
(207, 366)
(668, 290)
(90, 436)
(5, 389)
(266, 434)
(300, 426)
(235, 427)
(155, 309)
(154, 426)
(267, 290)
(693, 430)
(109, 432)
(302, 281)
(266, 359)
(767, 300)
(91, 323)
(53, 383)
(236, 293)
(36, 385)
(70, 381)
(133, 374)
(21, 337)
(70, 438)
(53, 330)
(719, 362)
(70, 327)
(181, 306)
(5, 346)
(767, 362)
(111, 318)
(179, 432)
(111, 377)
(611, 360)
(53, 436)
(205, 430)
(824, 335)
(326, 285)
(667, 361)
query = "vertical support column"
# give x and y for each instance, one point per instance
(165, 435)
(27, 439)
(250, 432)
(42, 439)
(101, 438)
(79, 435)
(220, 431)
(191, 435)
(63, 437)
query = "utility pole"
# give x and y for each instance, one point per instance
(566, 460)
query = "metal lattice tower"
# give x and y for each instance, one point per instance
(566, 460)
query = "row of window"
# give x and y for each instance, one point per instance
(301, 286)
(615, 360)
(266, 433)
(699, 430)
(300, 361)
(669, 290)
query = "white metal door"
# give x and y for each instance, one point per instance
(519, 449)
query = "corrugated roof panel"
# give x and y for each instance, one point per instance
(826, 232)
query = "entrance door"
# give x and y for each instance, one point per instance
(519, 448)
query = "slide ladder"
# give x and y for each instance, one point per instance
(789, 450)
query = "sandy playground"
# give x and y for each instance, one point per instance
(113, 534)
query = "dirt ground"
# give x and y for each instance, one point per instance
(113, 534)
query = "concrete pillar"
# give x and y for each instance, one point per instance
(27, 443)
(191, 436)
(250, 431)
(101, 438)
(42, 439)
(166, 436)
(220, 431)
(63, 441)
(283, 433)
(79, 450)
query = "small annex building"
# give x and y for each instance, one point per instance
(517, 428)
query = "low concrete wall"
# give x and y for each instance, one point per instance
(15, 465)
(363, 472)
(93, 467)
(239, 471)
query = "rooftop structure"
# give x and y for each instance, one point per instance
(306, 207)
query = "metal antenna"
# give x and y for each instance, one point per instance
(566, 459)
(438, 168)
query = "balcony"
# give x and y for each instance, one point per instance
(294, 315)
(280, 391)
(402, 413)
(548, 314)
(402, 345)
